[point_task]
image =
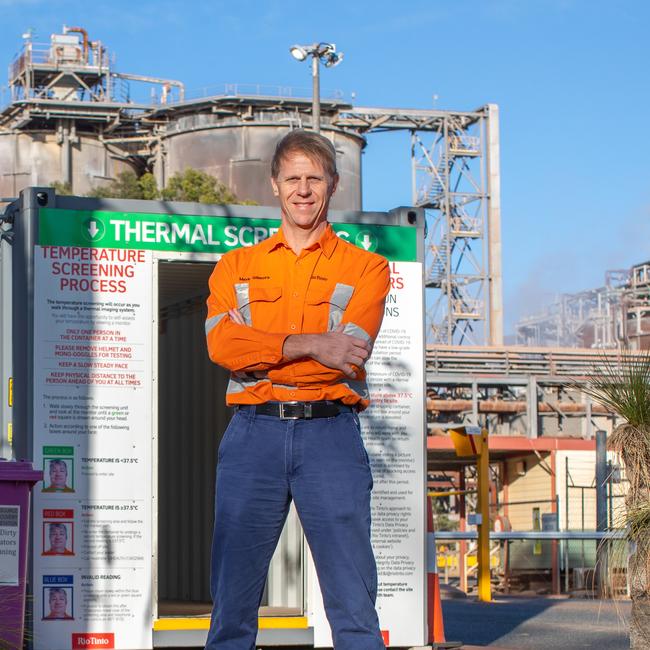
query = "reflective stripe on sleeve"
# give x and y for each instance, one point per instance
(354, 330)
(338, 302)
(358, 387)
(212, 322)
(239, 382)
(243, 301)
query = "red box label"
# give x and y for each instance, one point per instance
(384, 636)
(93, 640)
(58, 514)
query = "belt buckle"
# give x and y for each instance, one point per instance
(298, 414)
(283, 413)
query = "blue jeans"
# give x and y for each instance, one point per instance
(265, 462)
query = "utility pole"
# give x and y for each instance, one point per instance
(601, 511)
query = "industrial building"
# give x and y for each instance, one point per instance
(70, 120)
(614, 315)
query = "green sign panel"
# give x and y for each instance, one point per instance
(200, 234)
(58, 451)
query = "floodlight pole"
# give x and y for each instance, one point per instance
(315, 98)
(320, 53)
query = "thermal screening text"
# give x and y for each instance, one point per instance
(100, 270)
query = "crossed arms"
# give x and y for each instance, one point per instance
(296, 359)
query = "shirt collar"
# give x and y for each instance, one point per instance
(275, 241)
(327, 241)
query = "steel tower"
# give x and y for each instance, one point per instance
(455, 169)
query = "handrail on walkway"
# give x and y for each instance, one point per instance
(569, 535)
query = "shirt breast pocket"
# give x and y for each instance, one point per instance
(257, 305)
(331, 305)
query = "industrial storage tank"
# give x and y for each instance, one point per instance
(233, 138)
(39, 158)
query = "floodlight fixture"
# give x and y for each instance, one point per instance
(333, 59)
(324, 53)
(298, 52)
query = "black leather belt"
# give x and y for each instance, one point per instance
(298, 410)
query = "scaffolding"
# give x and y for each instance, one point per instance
(456, 178)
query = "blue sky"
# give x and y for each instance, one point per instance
(570, 78)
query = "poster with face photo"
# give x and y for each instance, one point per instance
(58, 474)
(58, 538)
(58, 599)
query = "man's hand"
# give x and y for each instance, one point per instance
(333, 349)
(236, 317)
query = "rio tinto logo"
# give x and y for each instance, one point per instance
(81, 641)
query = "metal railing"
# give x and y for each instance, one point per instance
(571, 555)
(261, 90)
(50, 54)
(520, 361)
(465, 144)
(541, 535)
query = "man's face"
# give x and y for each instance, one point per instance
(58, 603)
(58, 475)
(58, 538)
(304, 190)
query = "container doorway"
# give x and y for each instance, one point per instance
(192, 418)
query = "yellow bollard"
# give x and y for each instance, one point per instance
(484, 583)
(473, 441)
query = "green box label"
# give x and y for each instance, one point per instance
(58, 451)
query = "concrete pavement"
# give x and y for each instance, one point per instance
(534, 623)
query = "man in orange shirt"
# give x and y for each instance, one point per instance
(294, 319)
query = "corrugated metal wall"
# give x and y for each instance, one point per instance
(582, 503)
(285, 584)
(6, 362)
(535, 485)
(191, 420)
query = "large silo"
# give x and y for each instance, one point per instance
(233, 138)
(41, 157)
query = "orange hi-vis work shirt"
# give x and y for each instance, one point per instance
(279, 293)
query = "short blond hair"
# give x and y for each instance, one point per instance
(313, 145)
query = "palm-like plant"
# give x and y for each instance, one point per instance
(623, 387)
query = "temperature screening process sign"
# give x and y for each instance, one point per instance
(93, 577)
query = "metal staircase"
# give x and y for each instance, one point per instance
(455, 177)
(438, 270)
